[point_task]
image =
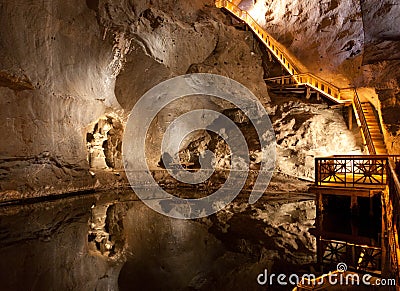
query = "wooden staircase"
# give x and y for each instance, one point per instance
(374, 128)
(370, 126)
(295, 81)
(285, 58)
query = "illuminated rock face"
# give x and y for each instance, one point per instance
(70, 72)
(349, 42)
(64, 67)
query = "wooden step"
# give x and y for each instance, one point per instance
(366, 104)
(380, 149)
(367, 109)
(376, 138)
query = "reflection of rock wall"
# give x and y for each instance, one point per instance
(95, 243)
(279, 232)
(45, 247)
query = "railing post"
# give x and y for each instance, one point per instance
(350, 113)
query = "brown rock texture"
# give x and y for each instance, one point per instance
(65, 66)
(348, 42)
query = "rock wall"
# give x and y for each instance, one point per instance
(348, 42)
(67, 67)
(64, 67)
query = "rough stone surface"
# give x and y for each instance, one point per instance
(348, 42)
(71, 71)
(89, 60)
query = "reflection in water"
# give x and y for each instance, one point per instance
(361, 223)
(108, 242)
(83, 243)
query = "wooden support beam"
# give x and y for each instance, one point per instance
(350, 113)
(308, 94)
(318, 223)
(358, 192)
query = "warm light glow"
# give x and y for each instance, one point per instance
(260, 9)
(258, 12)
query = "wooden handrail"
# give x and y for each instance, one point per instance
(318, 84)
(363, 156)
(392, 217)
(364, 125)
(352, 171)
(329, 90)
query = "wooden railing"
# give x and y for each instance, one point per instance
(344, 171)
(318, 84)
(393, 218)
(285, 59)
(267, 39)
(351, 171)
(356, 257)
(364, 126)
(370, 171)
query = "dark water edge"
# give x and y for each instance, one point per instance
(100, 241)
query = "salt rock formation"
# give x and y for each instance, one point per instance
(348, 42)
(65, 67)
